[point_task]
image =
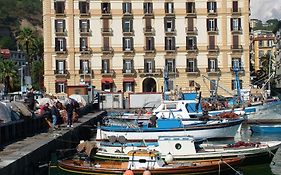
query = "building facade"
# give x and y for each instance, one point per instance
(125, 45)
(277, 55)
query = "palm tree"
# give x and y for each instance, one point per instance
(37, 48)
(26, 39)
(8, 74)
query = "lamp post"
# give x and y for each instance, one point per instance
(22, 78)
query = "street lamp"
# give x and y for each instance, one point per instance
(21, 69)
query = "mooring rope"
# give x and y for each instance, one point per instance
(231, 167)
(273, 163)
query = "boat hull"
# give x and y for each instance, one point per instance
(265, 128)
(211, 131)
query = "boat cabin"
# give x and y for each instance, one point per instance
(144, 159)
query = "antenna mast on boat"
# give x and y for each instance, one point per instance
(166, 82)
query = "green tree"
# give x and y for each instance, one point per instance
(26, 39)
(7, 42)
(8, 74)
(37, 49)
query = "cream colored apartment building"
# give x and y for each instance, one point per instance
(125, 45)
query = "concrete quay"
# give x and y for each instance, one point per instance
(31, 155)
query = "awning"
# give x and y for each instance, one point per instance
(107, 80)
(61, 81)
(128, 80)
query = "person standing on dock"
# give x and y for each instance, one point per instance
(69, 110)
(55, 116)
(30, 100)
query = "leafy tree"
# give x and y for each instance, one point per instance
(8, 74)
(7, 42)
(37, 48)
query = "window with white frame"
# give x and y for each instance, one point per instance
(127, 7)
(170, 65)
(212, 7)
(127, 44)
(147, 7)
(105, 66)
(148, 65)
(212, 24)
(83, 43)
(169, 7)
(60, 66)
(84, 66)
(127, 66)
(60, 44)
(60, 87)
(127, 25)
(128, 86)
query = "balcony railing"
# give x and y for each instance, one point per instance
(107, 50)
(85, 31)
(214, 30)
(106, 14)
(192, 71)
(213, 71)
(129, 50)
(61, 32)
(191, 31)
(61, 72)
(85, 13)
(237, 48)
(237, 12)
(61, 51)
(170, 49)
(241, 70)
(191, 13)
(85, 72)
(128, 72)
(107, 31)
(85, 50)
(191, 49)
(213, 48)
(149, 49)
(170, 31)
(149, 31)
(148, 72)
(212, 12)
(128, 33)
(107, 72)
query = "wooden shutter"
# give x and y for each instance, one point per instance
(231, 24)
(212, 42)
(190, 24)
(235, 41)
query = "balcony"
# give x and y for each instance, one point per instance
(191, 14)
(149, 50)
(85, 32)
(149, 31)
(107, 50)
(213, 71)
(106, 14)
(85, 72)
(213, 31)
(148, 15)
(192, 71)
(60, 13)
(212, 13)
(61, 52)
(213, 48)
(150, 72)
(170, 50)
(170, 31)
(85, 51)
(237, 31)
(236, 12)
(128, 33)
(61, 73)
(61, 32)
(85, 13)
(107, 72)
(107, 31)
(173, 72)
(128, 72)
(240, 70)
(171, 14)
(191, 49)
(129, 50)
(237, 48)
(191, 31)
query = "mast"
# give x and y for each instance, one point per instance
(166, 83)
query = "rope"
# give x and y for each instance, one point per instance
(237, 172)
(273, 163)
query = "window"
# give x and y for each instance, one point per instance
(169, 7)
(190, 7)
(84, 7)
(147, 8)
(169, 24)
(105, 8)
(212, 65)
(59, 6)
(212, 7)
(148, 65)
(84, 25)
(60, 44)
(191, 43)
(149, 43)
(60, 25)
(127, 25)
(127, 44)
(212, 24)
(170, 43)
(128, 86)
(191, 65)
(83, 44)
(269, 43)
(105, 66)
(235, 6)
(60, 87)
(235, 24)
(60, 66)
(234, 85)
(260, 43)
(84, 66)
(170, 65)
(236, 63)
(127, 66)
(127, 7)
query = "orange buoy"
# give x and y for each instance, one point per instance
(128, 172)
(146, 172)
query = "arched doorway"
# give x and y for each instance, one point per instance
(149, 85)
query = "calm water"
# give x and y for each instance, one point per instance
(275, 167)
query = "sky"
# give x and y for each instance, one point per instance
(265, 9)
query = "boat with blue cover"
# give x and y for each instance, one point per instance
(217, 129)
(265, 128)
